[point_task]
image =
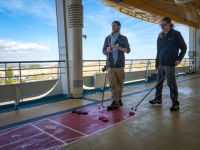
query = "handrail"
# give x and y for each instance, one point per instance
(48, 61)
(125, 60)
(18, 74)
(91, 67)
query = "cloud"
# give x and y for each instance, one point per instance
(37, 8)
(9, 45)
(11, 50)
(27, 56)
(1, 11)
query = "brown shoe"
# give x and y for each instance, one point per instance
(156, 101)
(114, 105)
(175, 106)
(120, 103)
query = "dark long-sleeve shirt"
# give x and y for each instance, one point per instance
(168, 48)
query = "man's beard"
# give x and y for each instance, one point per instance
(115, 31)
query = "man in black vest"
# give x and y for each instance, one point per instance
(115, 46)
(168, 44)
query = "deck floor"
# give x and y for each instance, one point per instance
(154, 127)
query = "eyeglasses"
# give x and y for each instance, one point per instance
(163, 25)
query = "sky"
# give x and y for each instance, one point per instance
(28, 31)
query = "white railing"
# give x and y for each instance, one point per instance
(91, 67)
(135, 69)
(12, 72)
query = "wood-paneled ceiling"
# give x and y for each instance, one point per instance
(186, 12)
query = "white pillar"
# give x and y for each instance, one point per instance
(70, 24)
(191, 48)
(197, 48)
(194, 48)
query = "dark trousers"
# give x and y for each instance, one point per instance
(171, 82)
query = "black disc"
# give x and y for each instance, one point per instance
(74, 111)
(79, 112)
(85, 113)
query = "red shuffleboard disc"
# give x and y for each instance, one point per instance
(101, 117)
(131, 113)
(105, 120)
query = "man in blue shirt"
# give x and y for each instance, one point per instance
(115, 46)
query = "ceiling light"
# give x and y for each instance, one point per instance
(180, 2)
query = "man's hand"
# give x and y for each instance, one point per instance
(109, 49)
(114, 46)
(119, 48)
(177, 62)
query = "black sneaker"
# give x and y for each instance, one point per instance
(156, 101)
(120, 103)
(114, 105)
(175, 106)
